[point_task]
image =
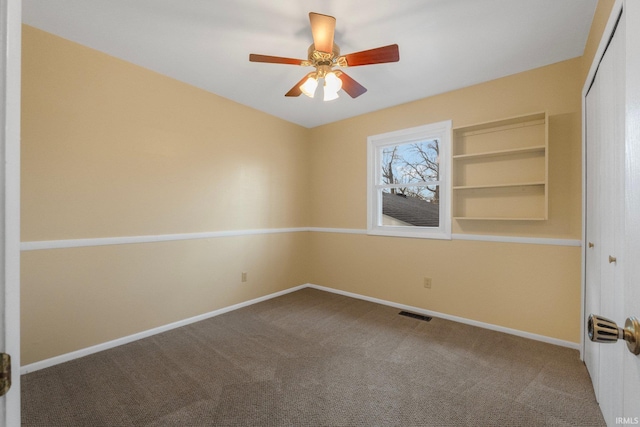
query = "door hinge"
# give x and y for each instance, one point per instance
(5, 373)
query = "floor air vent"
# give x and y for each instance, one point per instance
(415, 316)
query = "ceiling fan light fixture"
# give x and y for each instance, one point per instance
(332, 83)
(330, 95)
(309, 87)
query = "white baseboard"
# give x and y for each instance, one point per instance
(536, 337)
(144, 334)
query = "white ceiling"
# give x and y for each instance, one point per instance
(444, 44)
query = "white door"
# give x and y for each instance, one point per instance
(612, 211)
(10, 42)
(604, 107)
(631, 363)
(592, 221)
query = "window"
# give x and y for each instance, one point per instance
(408, 183)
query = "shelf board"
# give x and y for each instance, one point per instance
(476, 218)
(504, 124)
(520, 184)
(534, 149)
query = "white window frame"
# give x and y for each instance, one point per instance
(375, 145)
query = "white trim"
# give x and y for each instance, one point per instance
(11, 76)
(523, 334)
(338, 230)
(47, 363)
(475, 237)
(104, 241)
(124, 240)
(144, 334)
(410, 231)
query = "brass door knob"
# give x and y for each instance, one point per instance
(603, 330)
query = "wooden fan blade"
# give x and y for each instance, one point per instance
(378, 55)
(296, 91)
(352, 87)
(274, 59)
(322, 28)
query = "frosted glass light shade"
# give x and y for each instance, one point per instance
(329, 95)
(309, 87)
(332, 83)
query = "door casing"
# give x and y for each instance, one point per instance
(10, 36)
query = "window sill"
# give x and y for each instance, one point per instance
(410, 232)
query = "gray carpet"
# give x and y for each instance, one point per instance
(312, 358)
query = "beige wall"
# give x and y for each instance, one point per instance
(532, 288)
(510, 285)
(79, 297)
(110, 149)
(341, 197)
(595, 35)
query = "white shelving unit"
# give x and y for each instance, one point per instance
(500, 169)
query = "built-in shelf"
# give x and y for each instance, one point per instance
(500, 170)
(515, 184)
(537, 149)
(468, 218)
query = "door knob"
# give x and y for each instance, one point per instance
(603, 330)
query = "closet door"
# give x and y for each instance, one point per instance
(605, 260)
(631, 366)
(593, 247)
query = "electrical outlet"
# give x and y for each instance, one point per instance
(244, 276)
(427, 282)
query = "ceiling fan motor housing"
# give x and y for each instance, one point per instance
(320, 59)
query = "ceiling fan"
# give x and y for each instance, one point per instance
(324, 55)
